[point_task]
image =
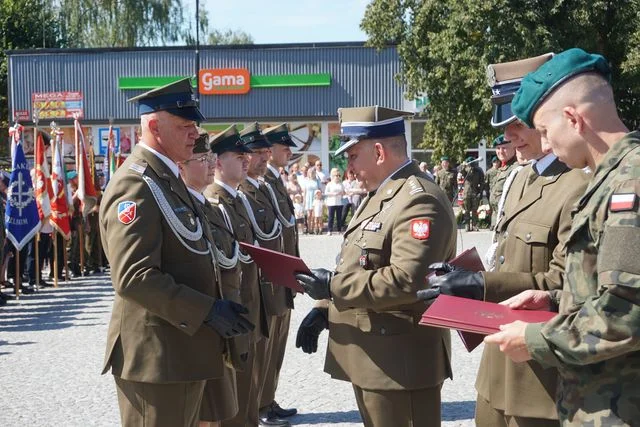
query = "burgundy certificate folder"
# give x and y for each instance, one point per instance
(279, 268)
(479, 317)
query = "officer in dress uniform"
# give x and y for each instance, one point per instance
(396, 367)
(231, 168)
(220, 399)
(594, 341)
(530, 241)
(168, 323)
(281, 153)
(268, 230)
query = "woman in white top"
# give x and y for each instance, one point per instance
(333, 193)
(309, 186)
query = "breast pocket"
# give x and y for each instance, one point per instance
(373, 253)
(534, 241)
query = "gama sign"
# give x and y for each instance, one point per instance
(224, 81)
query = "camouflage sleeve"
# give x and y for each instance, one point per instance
(607, 324)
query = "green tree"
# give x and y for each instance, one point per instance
(120, 23)
(24, 24)
(218, 37)
(445, 47)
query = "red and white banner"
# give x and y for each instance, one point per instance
(42, 181)
(59, 205)
(86, 188)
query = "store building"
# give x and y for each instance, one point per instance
(302, 84)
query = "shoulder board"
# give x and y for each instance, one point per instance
(414, 184)
(138, 168)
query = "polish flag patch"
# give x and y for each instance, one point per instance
(622, 202)
(127, 212)
(420, 229)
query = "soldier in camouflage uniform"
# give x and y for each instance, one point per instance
(446, 178)
(594, 341)
(490, 175)
(506, 154)
(471, 192)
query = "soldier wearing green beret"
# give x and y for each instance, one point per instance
(446, 178)
(594, 342)
(506, 156)
(527, 253)
(168, 325)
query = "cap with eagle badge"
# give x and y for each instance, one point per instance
(176, 98)
(504, 80)
(253, 138)
(359, 123)
(279, 135)
(228, 140)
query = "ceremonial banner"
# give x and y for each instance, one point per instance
(59, 206)
(86, 188)
(21, 216)
(42, 184)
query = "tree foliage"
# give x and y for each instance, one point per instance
(446, 45)
(218, 37)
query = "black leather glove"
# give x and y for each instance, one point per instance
(312, 325)
(455, 281)
(225, 318)
(317, 284)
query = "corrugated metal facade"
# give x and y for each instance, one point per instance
(359, 76)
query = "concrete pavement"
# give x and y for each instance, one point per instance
(52, 347)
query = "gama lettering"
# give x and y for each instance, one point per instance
(224, 81)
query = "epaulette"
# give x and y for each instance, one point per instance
(415, 186)
(138, 168)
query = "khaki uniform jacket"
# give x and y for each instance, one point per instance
(250, 289)
(164, 276)
(531, 255)
(277, 299)
(375, 341)
(284, 203)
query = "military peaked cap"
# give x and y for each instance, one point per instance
(176, 98)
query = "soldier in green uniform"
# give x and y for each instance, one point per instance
(406, 222)
(168, 323)
(529, 253)
(220, 398)
(231, 169)
(594, 341)
(278, 300)
(471, 191)
(281, 145)
(490, 175)
(446, 178)
(506, 154)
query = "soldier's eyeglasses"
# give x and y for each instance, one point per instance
(207, 158)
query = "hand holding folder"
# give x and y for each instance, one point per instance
(278, 267)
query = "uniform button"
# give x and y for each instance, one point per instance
(506, 234)
(183, 325)
(528, 236)
(501, 259)
(383, 331)
(341, 261)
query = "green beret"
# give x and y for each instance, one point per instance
(469, 159)
(499, 141)
(494, 159)
(443, 158)
(538, 85)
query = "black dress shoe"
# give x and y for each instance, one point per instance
(281, 412)
(24, 289)
(264, 420)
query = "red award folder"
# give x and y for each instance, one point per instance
(479, 317)
(279, 268)
(470, 261)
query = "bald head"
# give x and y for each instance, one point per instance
(579, 120)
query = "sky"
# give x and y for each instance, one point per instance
(290, 21)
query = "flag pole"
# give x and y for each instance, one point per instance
(16, 275)
(80, 230)
(55, 258)
(37, 238)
